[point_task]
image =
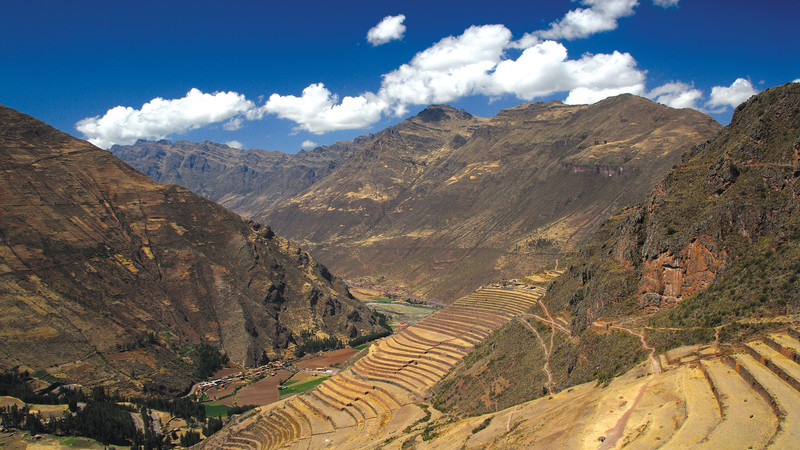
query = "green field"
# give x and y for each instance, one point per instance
(215, 409)
(302, 386)
(382, 300)
(44, 376)
(401, 312)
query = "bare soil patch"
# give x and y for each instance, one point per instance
(225, 371)
(262, 392)
(328, 359)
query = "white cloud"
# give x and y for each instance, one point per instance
(739, 91)
(389, 29)
(234, 144)
(233, 124)
(665, 3)
(676, 95)
(796, 81)
(158, 118)
(457, 66)
(544, 69)
(601, 15)
(317, 110)
(308, 144)
(452, 68)
(483, 60)
(589, 95)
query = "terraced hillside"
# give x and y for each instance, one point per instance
(379, 397)
(744, 397)
(701, 396)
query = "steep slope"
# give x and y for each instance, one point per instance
(711, 255)
(445, 201)
(95, 257)
(245, 182)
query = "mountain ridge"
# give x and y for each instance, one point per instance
(95, 257)
(445, 201)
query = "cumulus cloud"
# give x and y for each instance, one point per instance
(676, 95)
(158, 118)
(233, 124)
(452, 68)
(796, 81)
(739, 91)
(389, 29)
(483, 60)
(601, 15)
(309, 144)
(474, 62)
(665, 3)
(319, 111)
(234, 144)
(544, 69)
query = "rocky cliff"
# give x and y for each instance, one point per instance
(96, 258)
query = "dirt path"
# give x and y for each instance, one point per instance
(553, 322)
(613, 435)
(508, 422)
(546, 368)
(652, 356)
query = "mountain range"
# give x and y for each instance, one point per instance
(445, 201)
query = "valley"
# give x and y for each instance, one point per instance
(707, 395)
(446, 201)
(672, 321)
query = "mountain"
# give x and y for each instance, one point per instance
(711, 255)
(245, 182)
(445, 201)
(107, 277)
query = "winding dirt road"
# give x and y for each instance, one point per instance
(656, 363)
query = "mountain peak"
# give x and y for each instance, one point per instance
(438, 113)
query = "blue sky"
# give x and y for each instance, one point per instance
(281, 75)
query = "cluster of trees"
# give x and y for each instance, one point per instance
(383, 321)
(314, 345)
(208, 360)
(103, 417)
(182, 407)
(15, 384)
(368, 337)
(105, 421)
(144, 340)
